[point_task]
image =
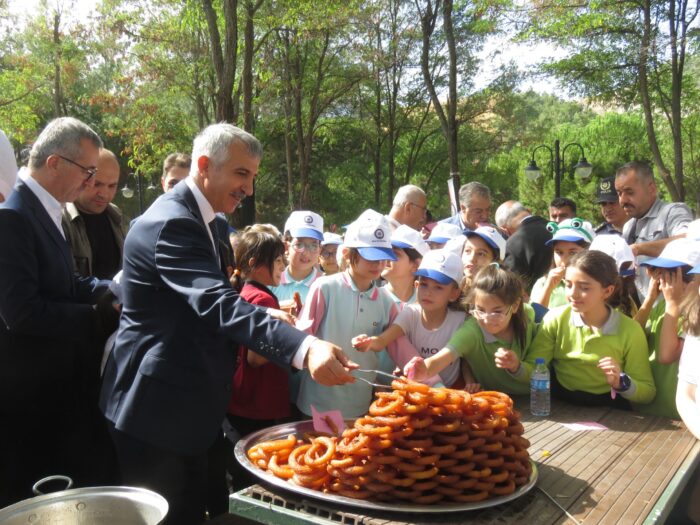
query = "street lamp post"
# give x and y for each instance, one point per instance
(128, 193)
(582, 169)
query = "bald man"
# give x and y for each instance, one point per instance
(93, 225)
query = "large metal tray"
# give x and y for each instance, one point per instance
(299, 428)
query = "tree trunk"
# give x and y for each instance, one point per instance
(225, 68)
(646, 102)
(57, 94)
(676, 19)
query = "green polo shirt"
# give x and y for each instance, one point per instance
(665, 376)
(477, 346)
(575, 349)
(558, 296)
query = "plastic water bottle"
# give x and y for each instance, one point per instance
(539, 389)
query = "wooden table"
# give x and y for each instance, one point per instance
(631, 473)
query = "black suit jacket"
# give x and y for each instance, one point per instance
(48, 323)
(168, 381)
(526, 252)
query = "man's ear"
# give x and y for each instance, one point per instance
(203, 164)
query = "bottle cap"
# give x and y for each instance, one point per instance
(539, 361)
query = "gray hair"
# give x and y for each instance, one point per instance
(506, 214)
(406, 194)
(642, 170)
(214, 142)
(61, 136)
(467, 191)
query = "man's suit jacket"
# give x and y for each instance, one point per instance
(47, 321)
(169, 377)
(526, 252)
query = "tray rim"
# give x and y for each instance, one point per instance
(300, 427)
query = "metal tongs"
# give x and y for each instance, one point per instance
(379, 372)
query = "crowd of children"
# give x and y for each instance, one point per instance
(445, 311)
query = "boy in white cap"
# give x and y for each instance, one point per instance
(303, 235)
(8, 167)
(348, 303)
(409, 249)
(670, 282)
(442, 233)
(430, 323)
(569, 237)
(329, 252)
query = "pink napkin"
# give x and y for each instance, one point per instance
(325, 421)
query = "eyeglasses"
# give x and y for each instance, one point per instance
(491, 316)
(310, 247)
(326, 254)
(91, 172)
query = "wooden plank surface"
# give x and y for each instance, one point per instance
(610, 476)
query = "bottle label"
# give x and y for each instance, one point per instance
(539, 384)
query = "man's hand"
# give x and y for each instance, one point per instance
(328, 364)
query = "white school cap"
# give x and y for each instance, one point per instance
(443, 266)
(492, 237)
(406, 237)
(615, 246)
(331, 238)
(678, 252)
(693, 232)
(571, 230)
(372, 238)
(443, 232)
(305, 224)
(8, 166)
(456, 245)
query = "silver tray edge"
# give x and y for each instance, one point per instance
(300, 427)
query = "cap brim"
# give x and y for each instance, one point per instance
(489, 241)
(604, 200)
(660, 262)
(695, 270)
(434, 275)
(306, 232)
(399, 244)
(441, 240)
(326, 243)
(377, 254)
(566, 238)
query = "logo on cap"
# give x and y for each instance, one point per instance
(440, 258)
(605, 185)
(379, 233)
(308, 219)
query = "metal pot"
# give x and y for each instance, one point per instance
(93, 505)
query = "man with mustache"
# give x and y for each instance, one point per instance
(654, 223)
(167, 383)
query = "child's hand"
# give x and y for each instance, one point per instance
(672, 286)
(507, 360)
(612, 371)
(654, 285)
(415, 369)
(472, 388)
(555, 276)
(362, 342)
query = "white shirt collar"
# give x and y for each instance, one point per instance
(610, 327)
(48, 201)
(205, 209)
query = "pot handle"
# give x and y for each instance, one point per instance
(35, 487)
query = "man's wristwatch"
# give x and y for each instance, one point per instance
(625, 382)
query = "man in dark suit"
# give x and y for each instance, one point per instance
(48, 328)
(167, 384)
(526, 251)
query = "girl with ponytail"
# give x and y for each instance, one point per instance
(598, 356)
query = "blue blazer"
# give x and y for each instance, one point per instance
(47, 322)
(168, 381)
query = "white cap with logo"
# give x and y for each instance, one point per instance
(331, 238)
(371, 237)
(443, 266)
(305, 224)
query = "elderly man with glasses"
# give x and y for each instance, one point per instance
(49, 331)
(409, 207)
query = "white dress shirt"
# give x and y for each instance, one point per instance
(48, 201)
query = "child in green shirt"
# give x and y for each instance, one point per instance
(599, 356)
(499, 319)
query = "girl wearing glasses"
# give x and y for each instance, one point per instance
(598, 355)
(500, 319)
